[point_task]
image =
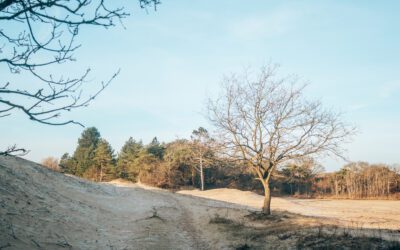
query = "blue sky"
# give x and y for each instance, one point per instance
(172, 59)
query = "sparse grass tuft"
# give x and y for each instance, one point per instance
(243, 247)
(258, 216)
(217, 219)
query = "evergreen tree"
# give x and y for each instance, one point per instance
(67, 164)
(104, 161)
(156, 149)
(127, 166)
(85, 151)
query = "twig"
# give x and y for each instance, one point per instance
(37, 244)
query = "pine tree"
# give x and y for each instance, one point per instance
(156, 149)
(67, 164)
(127, 166)
(85, 151)
(104, 162)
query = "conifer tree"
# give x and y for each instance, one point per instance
(85, 151)
(156, 148)
(67, 164)
(104, 161)
(127, 166)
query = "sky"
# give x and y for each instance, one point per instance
(171, 60)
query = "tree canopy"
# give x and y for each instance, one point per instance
(127, 166)
(104, 162)
(85, 151)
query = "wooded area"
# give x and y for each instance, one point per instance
(176, 165)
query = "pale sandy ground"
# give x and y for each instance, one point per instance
(383, 214)
(42, 209)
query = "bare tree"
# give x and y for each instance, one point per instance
(51, 163)
(301, 174)
(35, 37)
(265, 122)
(364, 180)
(202, 153)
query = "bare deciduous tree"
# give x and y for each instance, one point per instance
(364, 180)
(202, 153)
(265, 122)
(35, 37)
(51, 163)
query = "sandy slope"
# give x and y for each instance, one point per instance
(47, 210)
(42, 209)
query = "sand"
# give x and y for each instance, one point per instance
(43, 209)
(383, 214)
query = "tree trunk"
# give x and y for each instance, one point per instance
(267, 199)
(193, 177)
(201, 174)
(101, 173)
(336, 188)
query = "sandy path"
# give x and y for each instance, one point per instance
(382, 214)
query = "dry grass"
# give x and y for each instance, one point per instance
(259, 231)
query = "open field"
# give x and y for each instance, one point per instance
(384, 214)
(42, 209)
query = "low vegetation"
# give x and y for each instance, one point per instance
(256, 230)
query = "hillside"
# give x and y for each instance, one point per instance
(46, 209)
(42, 209)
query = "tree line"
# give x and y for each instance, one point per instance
(167, 165)
(196, 163)
(361, 180)
(355, 180)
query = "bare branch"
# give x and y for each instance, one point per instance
(265, 121)
(15, 151)
(36, 34)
